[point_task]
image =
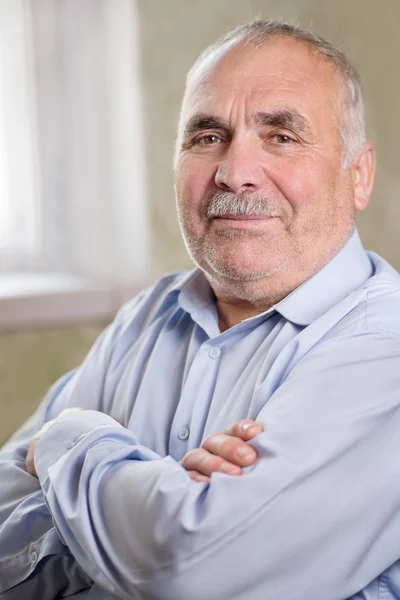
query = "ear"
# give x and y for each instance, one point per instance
(363, 168)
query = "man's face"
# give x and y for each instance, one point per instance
(261, 193)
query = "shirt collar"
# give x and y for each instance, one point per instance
(349, 269)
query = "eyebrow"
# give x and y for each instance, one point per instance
(203, 122)
(286, 119)
(282, 118)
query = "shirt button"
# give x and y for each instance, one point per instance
(184, 434)
(214, 352)
(33, 558)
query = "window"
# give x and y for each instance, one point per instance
(72, 174)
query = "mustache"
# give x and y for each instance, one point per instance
(250, 203)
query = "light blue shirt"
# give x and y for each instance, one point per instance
(317, 517)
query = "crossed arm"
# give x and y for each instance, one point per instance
(301, 522)
(59, 573)
(223, 452)
(306, 508)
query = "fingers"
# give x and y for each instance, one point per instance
(30, 458)
(205, 463)
(196, 476)
(244, 430)
(224, 452)
(232, 449)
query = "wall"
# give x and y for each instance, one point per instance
(30, 361)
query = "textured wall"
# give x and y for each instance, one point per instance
(30, 362)
(175, 31)
(173, 34)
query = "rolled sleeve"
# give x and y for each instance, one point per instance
(64, 433)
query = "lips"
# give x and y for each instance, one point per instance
(243, 217)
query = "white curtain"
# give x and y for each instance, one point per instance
(85, 210)
(20, 209)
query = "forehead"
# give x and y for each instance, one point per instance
(282, 71)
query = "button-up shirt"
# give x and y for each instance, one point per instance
(317, 517)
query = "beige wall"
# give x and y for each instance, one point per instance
(173, 33)
(30, 361)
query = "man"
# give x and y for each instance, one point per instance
(287, 321)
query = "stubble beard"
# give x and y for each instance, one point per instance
(207, 253)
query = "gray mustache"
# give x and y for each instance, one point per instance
(228, 203)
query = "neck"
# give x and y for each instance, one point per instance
(232, 312)
(239, 301)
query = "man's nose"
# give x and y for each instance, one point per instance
(240, 167)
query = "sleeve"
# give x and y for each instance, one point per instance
(30, 546)
(317, 515)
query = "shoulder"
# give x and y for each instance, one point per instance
(153, 301)
(369, 310)
(382, 298)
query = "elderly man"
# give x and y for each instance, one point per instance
(286, 321)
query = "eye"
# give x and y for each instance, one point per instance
(208, 140)
(281, 138)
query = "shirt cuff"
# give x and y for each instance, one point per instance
(64, 433)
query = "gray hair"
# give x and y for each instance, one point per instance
(352, 127)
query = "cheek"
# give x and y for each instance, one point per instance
(189, 194)
(306, 185)
(192, 178)
(297, 189)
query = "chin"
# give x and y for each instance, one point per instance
(253, 290)
(225, 272)
(228, 263)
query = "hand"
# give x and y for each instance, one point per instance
(30, 457)
(225, 452)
